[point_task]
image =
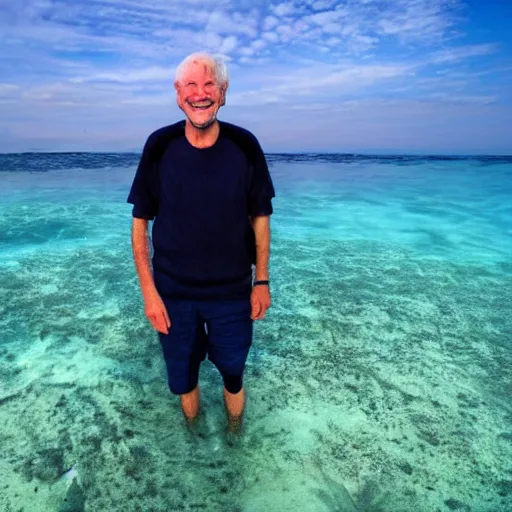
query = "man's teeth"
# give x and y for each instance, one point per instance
(202, 105)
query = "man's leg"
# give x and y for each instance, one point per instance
(230, 338)
(190, 402)
(190, 405)
(184, 349)
(235, 404)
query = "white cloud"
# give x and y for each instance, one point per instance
(8, 88)
(228, 45)
(463, 52)
(248, 22)
(325, 18)
(300, 26)
(322, 81)
(270, 36)
(359, 43)
(246, 51)
(465, 99)
(356, 76)
(223, 23)
(258, 44)
(283, 9)
(56, 93)
(211, 41)
(286, 32)
(270, 22)
(321, 5)
(253, 98)
(331, 28)
(333, 41)
(129, 76)
(417, 20)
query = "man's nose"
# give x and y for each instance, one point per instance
(201, 91)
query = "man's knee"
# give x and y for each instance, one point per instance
(183, 385)
(232, 383)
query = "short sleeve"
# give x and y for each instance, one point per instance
(143, 193)
(261, 189)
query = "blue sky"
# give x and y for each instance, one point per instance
(430, 76)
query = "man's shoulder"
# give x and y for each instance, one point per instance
(165, 134)
(241, 136)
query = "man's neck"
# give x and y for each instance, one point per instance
(202, 138)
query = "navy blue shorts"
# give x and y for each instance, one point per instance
(221, 330)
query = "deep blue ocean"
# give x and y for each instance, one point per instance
(380, 380)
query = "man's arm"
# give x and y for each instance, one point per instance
(140, 249)
(261, 226)
(153, 305)
(260, 297)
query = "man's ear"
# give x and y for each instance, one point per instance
(223, 96)
(177, 89)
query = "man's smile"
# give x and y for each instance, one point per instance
(201, 105)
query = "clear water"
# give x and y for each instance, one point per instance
(381, 379)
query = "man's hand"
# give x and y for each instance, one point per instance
(156, 312)
(260, 301)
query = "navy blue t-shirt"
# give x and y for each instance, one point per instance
(201, 201)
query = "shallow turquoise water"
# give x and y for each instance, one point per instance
(380, 380)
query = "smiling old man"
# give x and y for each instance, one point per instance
(205, 185)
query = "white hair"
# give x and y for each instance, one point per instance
(216, 64)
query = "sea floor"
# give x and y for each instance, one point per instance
(381, 379)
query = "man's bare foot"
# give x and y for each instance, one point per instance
(235, 424)
(197, 426)
(235, 404)
(234, 430)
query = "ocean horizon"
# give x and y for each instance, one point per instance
(381, 379)
(362, 154)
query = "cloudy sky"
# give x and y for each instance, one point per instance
(431, 76)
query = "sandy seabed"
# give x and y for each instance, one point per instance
(379, 381)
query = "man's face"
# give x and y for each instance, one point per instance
(199, 95)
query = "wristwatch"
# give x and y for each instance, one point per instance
(261, 282)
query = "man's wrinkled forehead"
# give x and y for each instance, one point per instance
(198, 67)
